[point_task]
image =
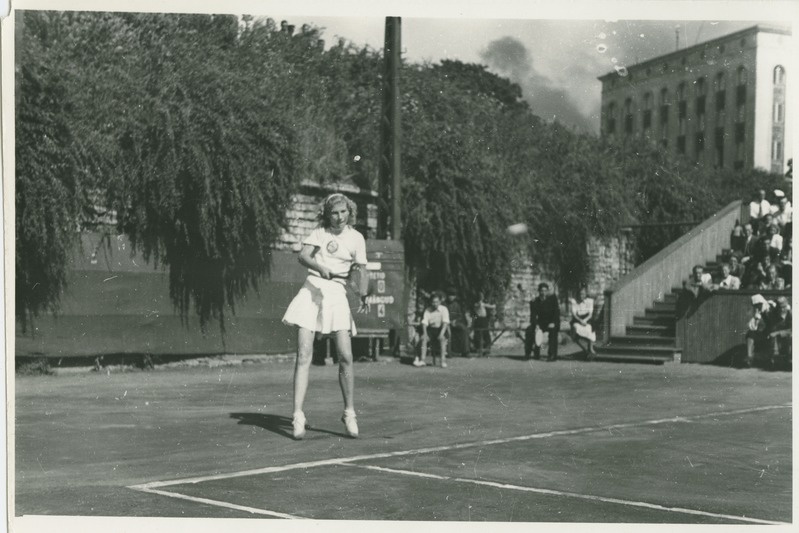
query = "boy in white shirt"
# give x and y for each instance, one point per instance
(435, 326)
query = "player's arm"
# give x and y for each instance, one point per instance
(363, 279)
(307, 259)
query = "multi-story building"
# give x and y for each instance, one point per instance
(721, 103)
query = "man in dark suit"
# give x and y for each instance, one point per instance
(544, 314)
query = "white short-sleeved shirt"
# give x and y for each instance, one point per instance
(436, 317)
(337, 252)
(759, 209)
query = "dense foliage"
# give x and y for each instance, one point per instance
(196, 129)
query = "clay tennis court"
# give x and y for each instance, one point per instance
(490, 439)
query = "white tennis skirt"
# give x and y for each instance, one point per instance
(321, 306)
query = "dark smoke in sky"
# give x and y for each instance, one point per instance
(557, 62)
(509, 57)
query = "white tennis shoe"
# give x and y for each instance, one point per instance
(298, 424)
(350, 423)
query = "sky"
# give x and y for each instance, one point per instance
(556, 62)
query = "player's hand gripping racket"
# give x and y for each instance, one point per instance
(358, 284)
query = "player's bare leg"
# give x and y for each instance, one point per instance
(443, 347)
(346, 380)
(302, 368)
(422, 360)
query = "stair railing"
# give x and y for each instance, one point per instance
(656, 277)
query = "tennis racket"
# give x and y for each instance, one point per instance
(355, 277)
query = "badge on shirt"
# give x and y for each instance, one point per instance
(332, 247)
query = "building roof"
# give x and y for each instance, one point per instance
(706, 44)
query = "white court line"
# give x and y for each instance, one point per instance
(217, 503)
(400, 453)
(630, 503)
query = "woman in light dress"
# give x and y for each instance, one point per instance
(321, 307)
(582, 312)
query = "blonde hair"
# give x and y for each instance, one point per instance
(327, 206)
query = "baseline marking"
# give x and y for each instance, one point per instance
(400, 453)
(217, 503)
(590, 497)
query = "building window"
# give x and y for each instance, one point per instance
(779, 112)
(721, 48)
(647, 115)
(740, 132)
(664, 109)
(681, 144)
(611, 119)
(681, 92)
(699, 144)
(719, 147)
(779, 75)
(740, 151)
(743, 42)
(721, 101)
(740, 95)
(628, 116)
(776, 150)
(741, 75)
(721, 81)
(701, 89)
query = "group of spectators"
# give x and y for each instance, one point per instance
(761, 250)
(761, 254)
(761, 259)
(443, 324)
(769, 329)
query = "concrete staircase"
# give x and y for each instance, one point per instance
(651, 337)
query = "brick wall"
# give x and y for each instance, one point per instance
(301, 215)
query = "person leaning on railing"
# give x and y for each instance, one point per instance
(756, 329)
(779, 325)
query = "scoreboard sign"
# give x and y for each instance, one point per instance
(386, 269)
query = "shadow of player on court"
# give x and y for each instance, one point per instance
(278, 424)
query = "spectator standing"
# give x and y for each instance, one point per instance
(415, 329)
(749, 242)
(737, 238)
(459, 325)
(784, 218)
(545, 315)
(582, 312)
(728, 281)
(435, 327)
(482, 322)
(756, 330)
(775, 242)
(759, 207)
(779, 329)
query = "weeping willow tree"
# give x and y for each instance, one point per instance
(189, 142)
(48, 178)
(458, 195)
(206, 171)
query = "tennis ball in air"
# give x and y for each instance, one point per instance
(517, 229)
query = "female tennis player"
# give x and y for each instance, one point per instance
(332, 253)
